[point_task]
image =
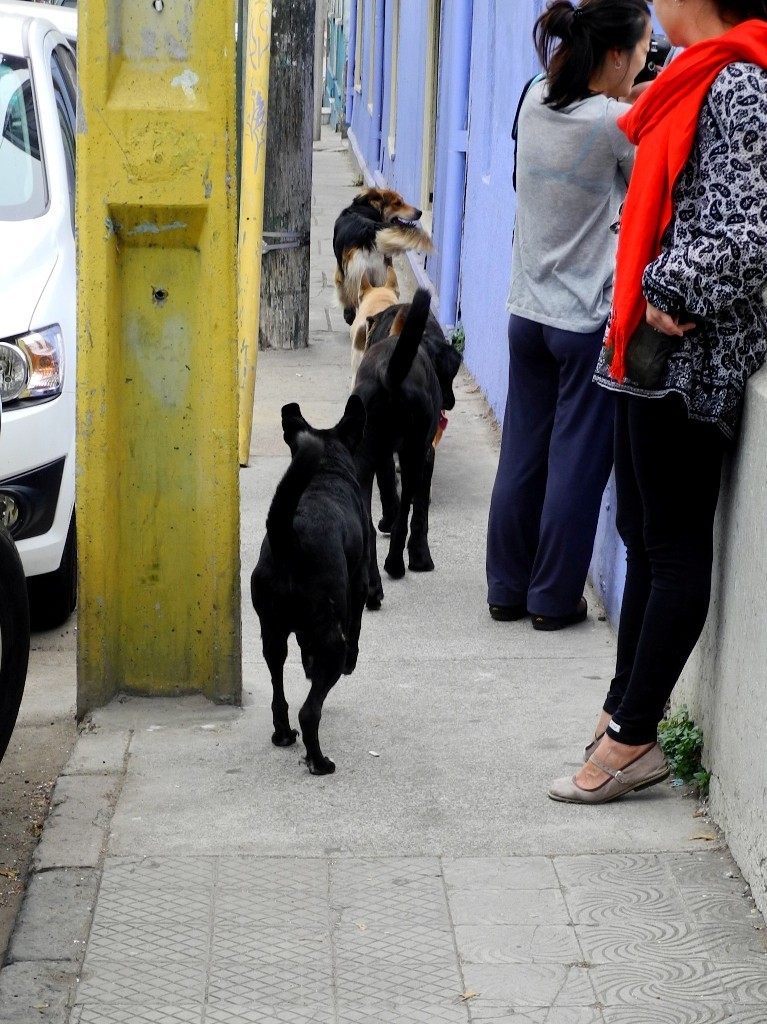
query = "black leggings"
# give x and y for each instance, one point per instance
(667, 477)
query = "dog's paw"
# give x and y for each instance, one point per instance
(373, 602)
(395, 566)
(350, 662)
(322, 766)
(420, 561)
(385, 524)
(282, 738)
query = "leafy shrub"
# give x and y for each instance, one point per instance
(682, 742)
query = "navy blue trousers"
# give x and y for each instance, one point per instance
(667, 478)
(556, 456)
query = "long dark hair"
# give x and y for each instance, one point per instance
(585, 33)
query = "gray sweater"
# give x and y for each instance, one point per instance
(572, 169)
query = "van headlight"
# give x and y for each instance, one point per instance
(32, 365)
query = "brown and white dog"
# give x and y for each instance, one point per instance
(377, 225)
(372, 300)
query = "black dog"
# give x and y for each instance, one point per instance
(402, 397)
(446, 362)
(376, 226)
(444, 358)
(312, 574)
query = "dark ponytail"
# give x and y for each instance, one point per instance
(585, 33)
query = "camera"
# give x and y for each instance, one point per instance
(657, 55)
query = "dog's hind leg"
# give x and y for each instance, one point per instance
(275, 648)
(358, 595)
(325, 678)
(387, 488)
(365, 472)
(419, 556)
(395, 560)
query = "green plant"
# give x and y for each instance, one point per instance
(682, 742)
(359, 181)
(458, 338)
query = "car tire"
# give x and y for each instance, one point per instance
(53, 595)
(14, 636)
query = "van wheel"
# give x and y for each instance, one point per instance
(53, 595)
(14, 636)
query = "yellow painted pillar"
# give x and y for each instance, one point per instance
(157, 491)
(252, 176)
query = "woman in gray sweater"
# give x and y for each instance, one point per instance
(572, 170)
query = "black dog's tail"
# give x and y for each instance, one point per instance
(409, 339)
(279, 522)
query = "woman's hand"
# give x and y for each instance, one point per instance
(665, 323)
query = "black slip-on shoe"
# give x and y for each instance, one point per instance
(552, 622)
(507, 612)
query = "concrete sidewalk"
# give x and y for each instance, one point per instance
(191, 872)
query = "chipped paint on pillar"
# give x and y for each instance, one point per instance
(255, 100)
(158, 497)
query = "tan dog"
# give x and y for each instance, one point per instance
(371, 300)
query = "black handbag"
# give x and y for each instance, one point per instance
(647, 352)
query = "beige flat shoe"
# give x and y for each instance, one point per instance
(646, 770)
(589, 749)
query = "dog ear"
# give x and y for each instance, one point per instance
(293, 424)
(399, 321)
(350, 427)
(391, 280)
(365, 285)
(365, 197)
(446, 365)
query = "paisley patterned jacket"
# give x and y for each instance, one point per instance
(713, 262)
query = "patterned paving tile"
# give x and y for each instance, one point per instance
(528, 985)
(613, 905)
(745, 983)
(136, 903)
(273, 874)
(726, 942)
(690, 1013)
(388, 890)
(148, 983)
(112, 938)
(434, 1014)
(642, 940)
(270, 909)
(406, 943)
(618, 869)
(515, 944)
(104, 1013)
(193, 873)
(262, 892)
(228, 1013)
(406, 985)
(288, 984)
(677, 982)
(270, 946)
(719, 907)
(710, 872)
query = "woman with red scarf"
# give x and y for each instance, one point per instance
(692, 263)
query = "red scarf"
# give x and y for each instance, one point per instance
(662, 123)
